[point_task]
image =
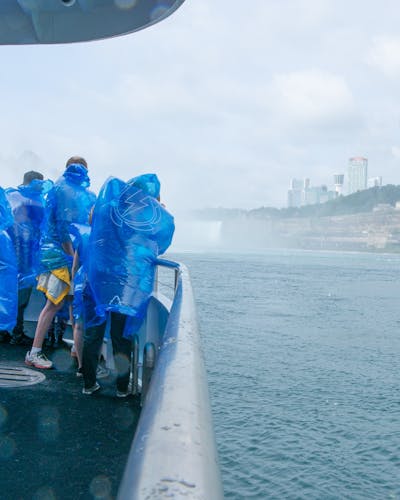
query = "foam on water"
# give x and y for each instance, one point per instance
(302, 352)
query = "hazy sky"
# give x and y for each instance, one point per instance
(225, 100)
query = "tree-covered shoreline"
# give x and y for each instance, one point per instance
(360, 202)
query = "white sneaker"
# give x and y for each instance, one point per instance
(102, 372)
(123, 394)
(38, 360)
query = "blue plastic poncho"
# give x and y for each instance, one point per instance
(8, 268)
(130, 229)
(27, 205)
(69, 201)
(80, 233)
(83, 306)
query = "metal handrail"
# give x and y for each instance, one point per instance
(172, 265)
(174, 452)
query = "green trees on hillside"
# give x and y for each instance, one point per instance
(362, 201)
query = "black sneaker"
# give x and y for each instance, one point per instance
(20, 339)
(4, 337)
(91, 390)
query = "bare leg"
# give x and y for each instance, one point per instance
(44, 322)
(78, 341)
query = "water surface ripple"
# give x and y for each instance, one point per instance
(302, 353)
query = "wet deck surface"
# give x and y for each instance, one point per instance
(55, 442)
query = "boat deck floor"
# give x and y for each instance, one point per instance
(55, 442)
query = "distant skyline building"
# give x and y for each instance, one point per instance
(294, 193)
(296, 184)
(310, 196)
(338, 182)
(357, 174)
(375, 181)
(314, 195)
(301, 193)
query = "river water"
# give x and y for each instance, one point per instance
(302, 353)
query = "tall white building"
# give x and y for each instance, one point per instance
(294, 193)
(357, 174)
(338, 181)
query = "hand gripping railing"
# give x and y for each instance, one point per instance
(173, 454)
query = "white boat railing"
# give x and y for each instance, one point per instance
(173, 454)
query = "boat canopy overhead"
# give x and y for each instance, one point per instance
(67, 21)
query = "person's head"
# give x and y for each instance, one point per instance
(149, 184)
(77, 159)
(30, 176)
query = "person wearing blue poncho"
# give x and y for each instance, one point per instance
(130, 230)
(8, 270)
(69, 201)
(28, 208)
(83, 307)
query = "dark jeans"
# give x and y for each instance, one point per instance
(92, 340)
(23, 300)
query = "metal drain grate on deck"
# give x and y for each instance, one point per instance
(13, 376)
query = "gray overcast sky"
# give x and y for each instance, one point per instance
(225, 100)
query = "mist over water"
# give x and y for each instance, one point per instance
(302, 353)
(236, 235)
(193, 235)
